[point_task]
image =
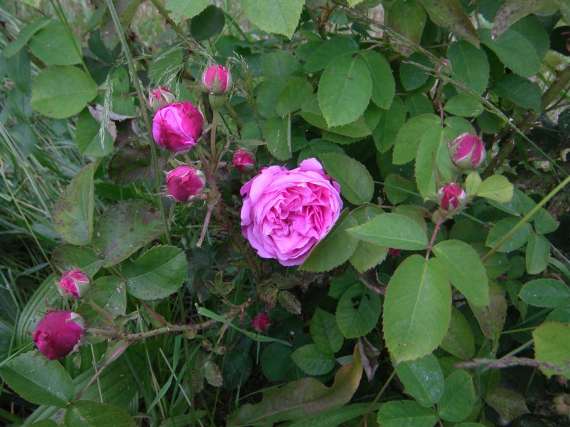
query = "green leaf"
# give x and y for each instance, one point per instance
(108, 293)
(356, 184)
(492, 317)
(426, 170)
(547, 293)
(335, 417)
(407, 18)
(367, 255)
(208, 23)
(312, 361)
(383, 83)
(389, 125)
(157, 273)
(537, 253)
(497, 188)
(325, 332)
(184, 9)
(552, 346)
(336, 248)
(124, 228)
(277, 135)
(508, 47)
(520, 91)
(464, 105)
(501, 228)
(459, 397)
(422, 379)
(85, 413)
(511, 11)
(465, 270)
(274, 16)
(276, 362)
(89, 138)
(417, 308)
(409, 137)
(469, 65)
(279, 63)
(60, 92)
(327, 51)
(398, 189)
(24, 36)
(73, 212)
(508, 403)
(450, 14)
(392, 231)
(412, 76)
(345, 82)
(296, 92)
(405, 413)
(459, 340)
(358, 311)
(55, 45)
(38, 380)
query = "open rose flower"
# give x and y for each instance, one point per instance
(58, 333)
(183, 183)
(467, 151)
(73, 283)
(177, 126)
(285, 213)
(217, 79)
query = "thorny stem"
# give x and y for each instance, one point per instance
(433, 237)
(509, 362)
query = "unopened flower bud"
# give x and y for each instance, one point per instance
(394, 252)
(261, 322)
(451, 197)
(183, 183)
(159, 97)
(467, 151)
(73, 283)
(217, 79)
(177, 126)
(243, 160)
(58, 333)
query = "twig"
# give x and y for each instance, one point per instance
(433, 237)
(509, 362)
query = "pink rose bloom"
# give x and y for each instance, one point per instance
(243, 160)
(73, 283)
(451, 197)
(184, 183)
(177, 126)
(58, 333)
(217, 79)
(261, 322)
(467, 151)
(159, 97)
(285, 213)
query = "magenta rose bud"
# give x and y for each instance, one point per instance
(243, 160)
(58, 333)
(216, 79)
(183, 183)
(73, 283)
(261, 322)
(159, 97)
(394, 252)
(177, 126)
(467, 151)
(285, 213)
(451, 197)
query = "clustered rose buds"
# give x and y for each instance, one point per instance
(216, 79)
(467, 151)
(58, 333)
(160, 97)
(73, 283)
(177, 126)
(243, 160)
(261, 322)
(184, 182)
(285, 213)
(451, 197)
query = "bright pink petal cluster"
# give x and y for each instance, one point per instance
(177, 126)
(451, 197)
(217, 79)
(160, 97)
(243, 160)
(73, 283)
(184, 183)
(261, 322)
(467, 151)
(285, 213)
(58, 333)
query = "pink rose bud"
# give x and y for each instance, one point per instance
(451, 197)
(243, 160)
(58, 333)
(73, 283)
(217, 79)
(184, 183)
(159, 97)
(177, 126)
(261, 322)
(285, 213)
(467, 151)
(394, 252)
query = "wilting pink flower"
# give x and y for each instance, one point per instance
(261, 322)
(243, 160)
(451, 197)
(177, 126)
(285, 213)
(467, 151)
(159, 97)
(73, 283)
(217, 79)
(184, 183)
(394, 252)
(58, 333)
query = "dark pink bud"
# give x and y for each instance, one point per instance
(73, 283)
(177, 126)
(243, 160)
(467, 151)
(451, 197)
(217, 79)
(184, 183)
(159, 97)
(58, 333)
(261, 322)
(394, 252)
